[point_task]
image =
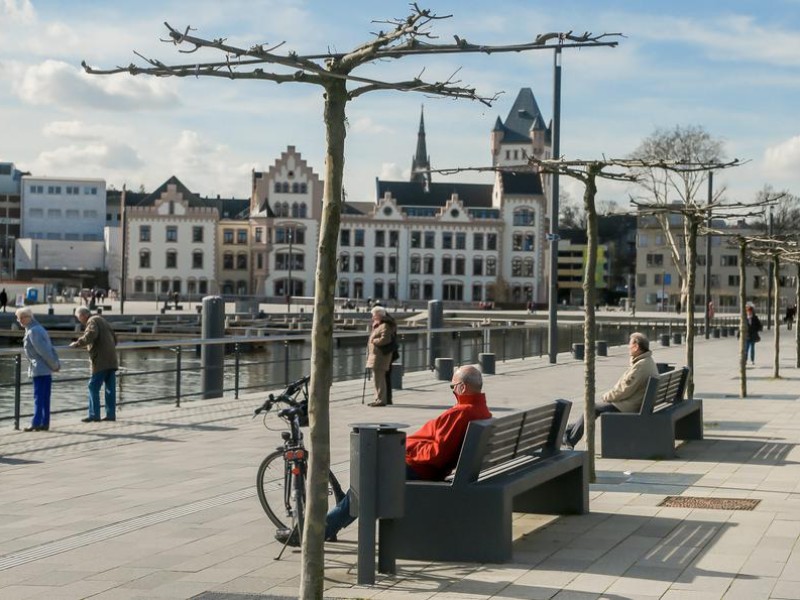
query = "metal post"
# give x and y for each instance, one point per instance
(552, 319)
(707, 321)
(124, 266)
(286, 362)
(435, 321)
(17, 384)
(236, 352)
(368, 446)
(769, 281)
(212, 356)
(178, 377)
(397, 270)
(290, 285)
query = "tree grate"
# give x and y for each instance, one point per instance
(710, 503)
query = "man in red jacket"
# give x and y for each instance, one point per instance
(432, 451)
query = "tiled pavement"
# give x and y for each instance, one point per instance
(161, 504)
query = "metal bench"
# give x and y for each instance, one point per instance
(665, 416)
(508, 464)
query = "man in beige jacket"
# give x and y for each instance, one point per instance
(628, 393)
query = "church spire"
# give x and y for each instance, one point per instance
(421, 163)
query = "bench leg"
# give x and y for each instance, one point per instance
(690, 427)
(567, 494)
(637, 436)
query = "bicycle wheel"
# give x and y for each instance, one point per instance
(272, 490)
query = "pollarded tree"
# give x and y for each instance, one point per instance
(335, 74)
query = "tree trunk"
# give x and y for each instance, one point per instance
(776, 316)
(313, 562)
(589, 333)
(691, 271)
(742, 320)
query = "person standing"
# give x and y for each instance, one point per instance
(754, 327)
(42, 362)
(381, 339)
(100, 340)
(627, 394)
(3, 299)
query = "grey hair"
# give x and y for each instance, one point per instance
(82, 310)
(25, 311)
(378, 310)
(471, 376)
(641, 341)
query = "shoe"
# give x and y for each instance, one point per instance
(44, 428)
(566, 442)
(89, 420)
(109, 419)
(31, 429)
(288, 537)
(376, 403)
(331, 538)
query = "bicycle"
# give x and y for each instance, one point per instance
(281, 478)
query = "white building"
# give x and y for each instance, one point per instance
(63, 209)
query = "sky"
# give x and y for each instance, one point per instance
(732, 68)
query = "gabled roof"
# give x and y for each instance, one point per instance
(412, 193)
(188, 195)
(522, 183)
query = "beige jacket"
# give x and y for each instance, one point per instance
(381, 335)
(628, 393)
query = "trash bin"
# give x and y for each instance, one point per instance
(444, 369)
(664, 367)
(377, 482)
(602, 347)
(578, 351)
(676, 338)
(397, 376)
(31, 295)
(665, 339)
(487, 363)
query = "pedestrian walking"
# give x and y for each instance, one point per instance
(42, 362)
(100, 340)
(3, 299)
(753, 336)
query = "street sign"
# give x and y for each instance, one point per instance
(667, 278)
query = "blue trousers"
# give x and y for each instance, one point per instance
(109, 379)
(42, 385)
(339, 516)
(750, 348)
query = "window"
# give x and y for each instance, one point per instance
(527, 242)
(430, 239)
(344, 288)
(197, 259)
(259, 235)
(172, 259)
(197, 234)
(37, 189)
(477, 292)
(241, 261)
(358, 263)
(491, 241)
(516, 241)
(359, 238)
(452, 291)
(241, 236)
(378, 289)
(413, 290)
(729, 260)
(733, 280)
(392, 263)
(447, 240)
(138, 286)
(53, 235)
(380, 239)
(90, 214)
(427, 291)
(414, 265)
(527, 267)
(144, 259)
(149, 286)
(344, 238)
(358, 289)
(227, 236)
(394, 239)
(701, 260)
(227, 260)
(90, 191)
(461, 241)
(477, 265)
(172, 233)
(657, 279)
(516, 267)
(416, 239)
(447, 265)
(524, 217)
(171, 207)
(379, 264)
(642, 240)
(477, 241)
(344, 263)
(655, 260)
(427, 265)
(53, 189)
(36, 213)
(72, 190)
(259, 261)
(714, 280)
(53, 213)
(144, 233)
(491, 266)
(460, 265)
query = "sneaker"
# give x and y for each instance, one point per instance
(288, 537)
(566, 442)
(376, 403)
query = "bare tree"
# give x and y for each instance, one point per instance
(679, 145)
(334, 72)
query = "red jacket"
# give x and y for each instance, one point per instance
(432, 452)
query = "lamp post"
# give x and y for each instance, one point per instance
(397, 271)
(289, 284)
(769, 277)
(552, 299)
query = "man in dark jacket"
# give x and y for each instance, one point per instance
(432, 451)
(100, 340)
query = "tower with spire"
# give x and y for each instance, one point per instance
(522, 135)
(421, 162)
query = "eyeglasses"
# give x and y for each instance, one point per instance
(454, 385)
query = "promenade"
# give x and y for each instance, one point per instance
(162, 503)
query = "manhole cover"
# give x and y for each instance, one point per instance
(712, 503)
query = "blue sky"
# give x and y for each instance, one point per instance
(733, 68)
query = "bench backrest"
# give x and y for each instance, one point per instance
(664, 389)
(492, 445)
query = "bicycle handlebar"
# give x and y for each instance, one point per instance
(285, 397)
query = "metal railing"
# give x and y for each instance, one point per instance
(169, 372)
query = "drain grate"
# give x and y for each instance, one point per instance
(711, 503)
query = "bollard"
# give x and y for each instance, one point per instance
(397, 376)
(212, 356)
(487, 363)
(444, 369)
(716, 333)
(377, 490)
(676, 338)
(724, 331)
(435, 321)
(665, 339)
(578, 351)
(602, 348)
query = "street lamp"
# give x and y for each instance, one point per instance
(397, 271)
(552, 319)
(769, 277)
(289, 289)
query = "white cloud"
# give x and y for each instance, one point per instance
(18, 11)
(784, 158)
(92, 157)
(368, 125)
(393, 172)
(55, 82)
(78, 130)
